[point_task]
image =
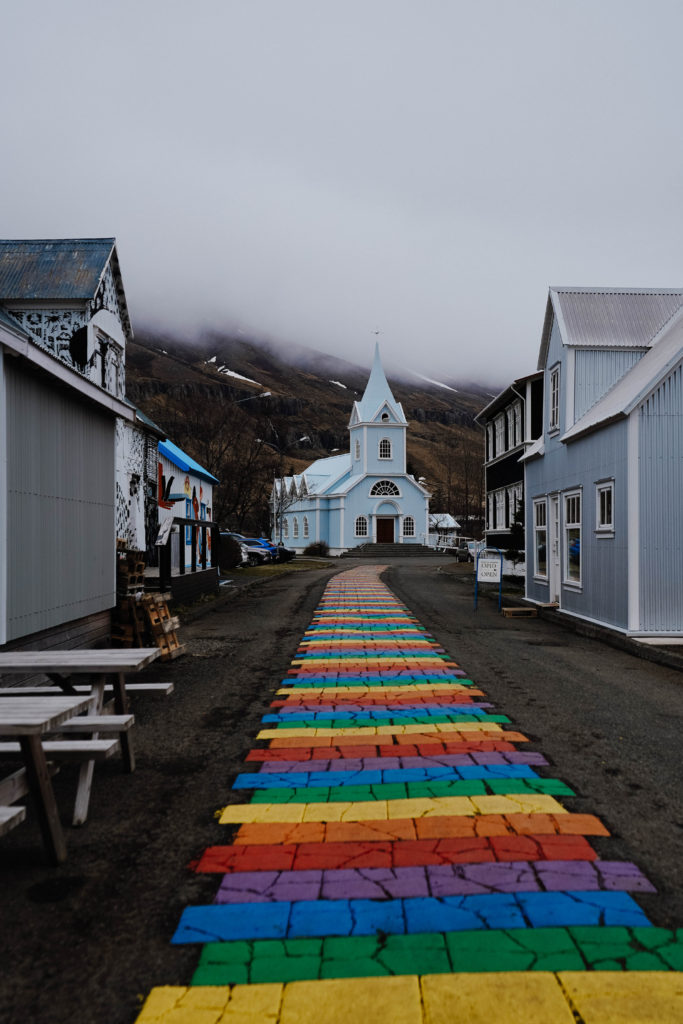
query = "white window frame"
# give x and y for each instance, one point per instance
(356, 450)
(385, 488)
(604, 526)
(361, 526)
(285, 528)
(499, 432)
(305, 526)
(517, 424)
(540, 535)
(489, 442)
(295, 527)
(514, 502)
(408, 526)
(384, 449)
(554, 399)
(572, 502)
(500, 519)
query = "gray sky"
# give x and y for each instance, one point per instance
(317, 170)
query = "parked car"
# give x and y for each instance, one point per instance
(251, 554)
(255, 542)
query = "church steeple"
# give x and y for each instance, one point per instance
(377, 397)
(378, 428)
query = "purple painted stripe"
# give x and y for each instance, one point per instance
(436, 880)
(358, 764)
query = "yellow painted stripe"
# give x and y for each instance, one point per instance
(535, 997)
(388, 810)
(385, 730)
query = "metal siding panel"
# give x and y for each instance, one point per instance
(596, 371)
(61, 563)
(620, 317)
(661, 520)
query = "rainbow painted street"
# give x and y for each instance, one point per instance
(397, 850)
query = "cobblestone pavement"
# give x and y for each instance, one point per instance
(402, 847)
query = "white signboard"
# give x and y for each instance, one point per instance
(488, 570)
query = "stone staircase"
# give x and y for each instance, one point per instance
(381, 551)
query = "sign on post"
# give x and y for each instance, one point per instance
(489, 570)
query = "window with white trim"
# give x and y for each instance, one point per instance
(361, 526)
(554, 404)
(305, 526)
(489, 512)
(408, 527)
(357, 450)
(499, 427)
(541, 539)
(489, 441)
(285, 527)
(384, 487)
(295, 526)
(604, 507)
(499, 514)
(514, 495)
(385, 448)
(572, 537)
(517, 433)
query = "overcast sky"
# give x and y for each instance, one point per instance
(318, 170)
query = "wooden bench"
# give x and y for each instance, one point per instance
(97, 723)
(41, 691)
(9, 817)
(66, 750)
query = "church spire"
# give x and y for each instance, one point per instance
(378, 393)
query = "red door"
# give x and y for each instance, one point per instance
(385, 531)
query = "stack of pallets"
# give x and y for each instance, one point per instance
(161, 625)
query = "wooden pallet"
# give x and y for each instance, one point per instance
(162, 626)
(519, 613)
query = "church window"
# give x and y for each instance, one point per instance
(285, 527)
(408, 527)
(384, 487)
(361, 526)
(357, 450)
(385, 448)
(295, 526)
(385, 417)
(305, 526)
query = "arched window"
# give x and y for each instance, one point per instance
(408, 527)
(295, 526)
(361, 526)
(385, 448)
(285, 527)
(384, 487)
(385, 417)
(305, 526)
(357, 450)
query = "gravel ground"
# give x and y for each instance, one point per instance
(85, 942)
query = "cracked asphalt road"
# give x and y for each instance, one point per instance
(84, 942)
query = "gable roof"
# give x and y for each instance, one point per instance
(58, 269)
(631, 389)
(377, 393)
(184, 461)
(608, 317)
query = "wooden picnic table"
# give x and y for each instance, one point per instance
(59, 666)
(28, 718)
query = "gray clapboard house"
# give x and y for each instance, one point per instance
(604, 481)
(63, 330)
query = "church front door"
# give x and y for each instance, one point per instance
(385, 531)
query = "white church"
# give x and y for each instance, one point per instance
(364, 496)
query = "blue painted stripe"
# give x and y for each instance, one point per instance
(295, 780)
(321, 918)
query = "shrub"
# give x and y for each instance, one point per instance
(229, 553)
(320, 548)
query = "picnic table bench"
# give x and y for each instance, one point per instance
(85, 719)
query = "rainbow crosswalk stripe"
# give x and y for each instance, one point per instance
(400, 850)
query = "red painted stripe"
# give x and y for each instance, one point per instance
(404, 853)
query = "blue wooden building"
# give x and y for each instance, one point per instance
(604, 481)
(363, 496)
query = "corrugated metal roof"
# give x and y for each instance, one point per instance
(608, 317)
(57, 268)
(631, 389)
(184, 461)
